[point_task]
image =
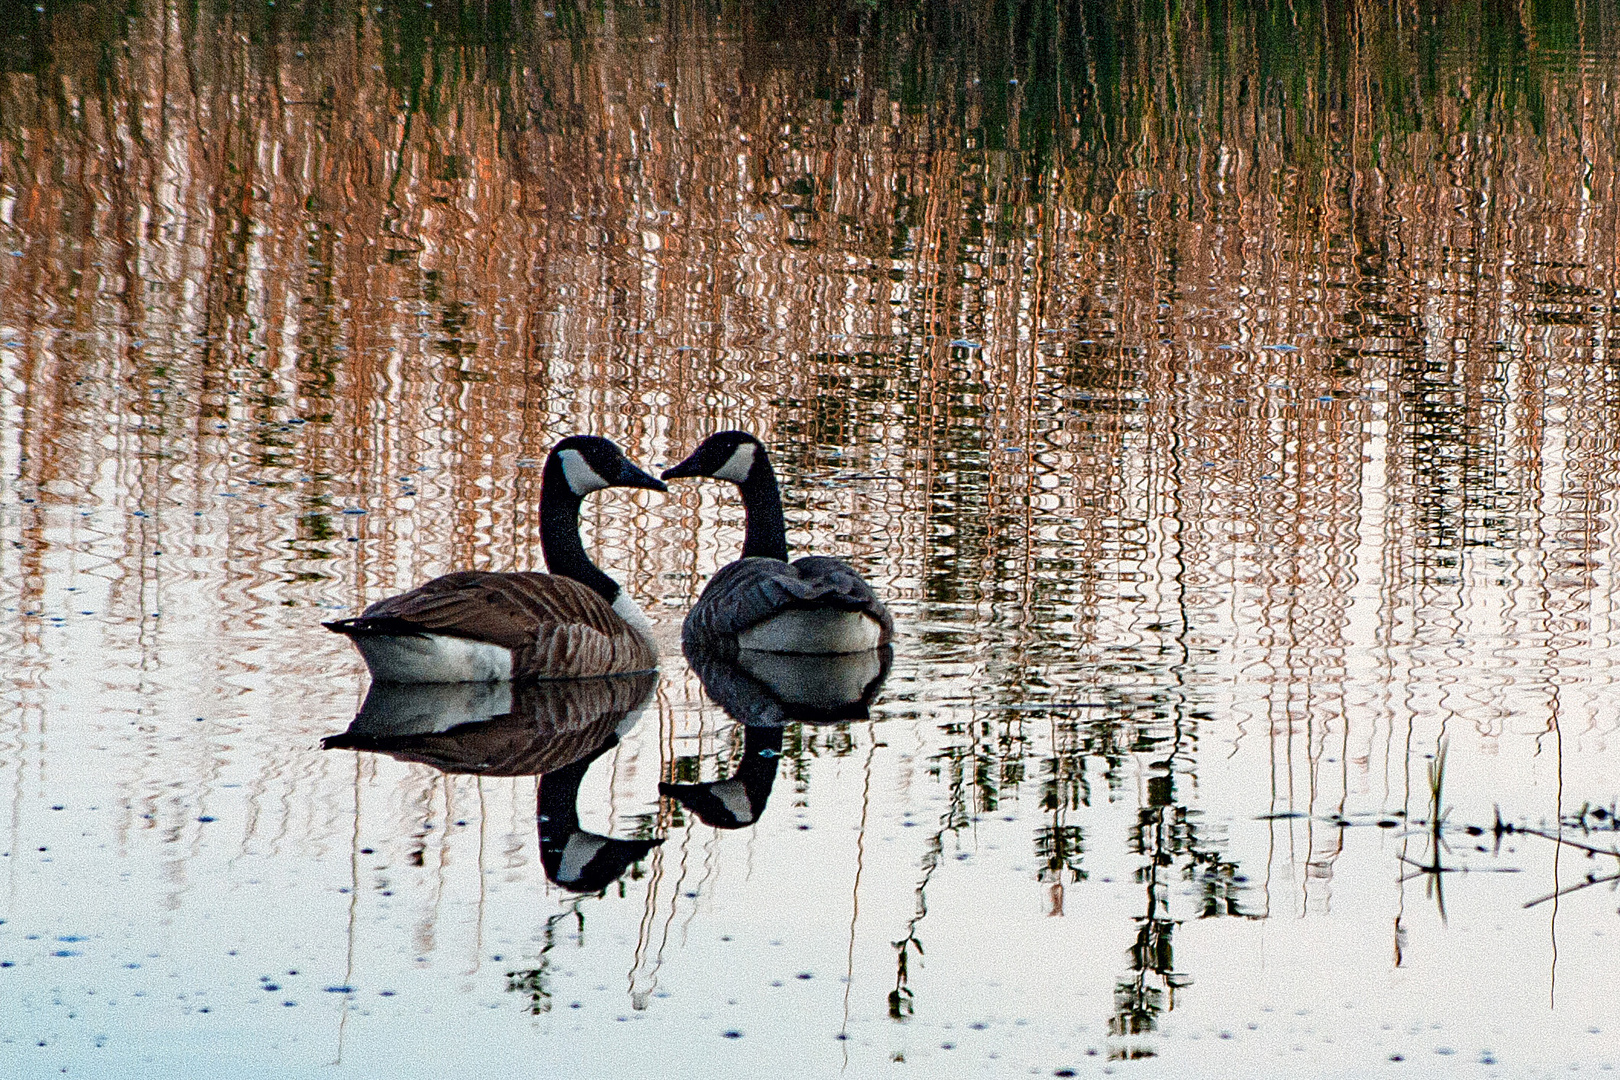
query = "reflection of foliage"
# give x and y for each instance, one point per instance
(901, 999)
(1060, 848)
(532, 982)
(1166, 834)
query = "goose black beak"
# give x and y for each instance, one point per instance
(630, 476)
(686, 468)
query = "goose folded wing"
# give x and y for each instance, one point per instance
(749, 590)
(552, 624)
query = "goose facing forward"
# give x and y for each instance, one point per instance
(815, 604)
(474, 626)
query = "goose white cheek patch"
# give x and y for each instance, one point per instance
(582, 479)
(737, 468)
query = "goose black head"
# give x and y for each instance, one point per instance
(725, 455)
(588, 463)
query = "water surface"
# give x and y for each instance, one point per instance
(1223, 398)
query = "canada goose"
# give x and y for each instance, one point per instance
(765, 692)
(547, 727)
(475, 626)
(815, 604)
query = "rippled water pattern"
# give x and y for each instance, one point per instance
(1224, 399)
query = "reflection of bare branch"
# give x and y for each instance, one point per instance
(1566, 842)
(1589, 881)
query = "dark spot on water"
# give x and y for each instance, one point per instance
(270, 986)
(1386, 823)
(1066, 1072)
(340, 989)
(205, 818)
(1397, 1057)
(732, 1034)
(804, 975)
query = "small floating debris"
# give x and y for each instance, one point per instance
(964, 343)
(1281, 348)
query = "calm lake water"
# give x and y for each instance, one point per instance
(1225, 399)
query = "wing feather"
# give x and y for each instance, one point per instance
(751, 590)
(555, 627)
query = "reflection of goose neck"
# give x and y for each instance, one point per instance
(765, 532)
(578, 860)
(559, 533)
(556, 809)
(738, 800)
(762, 750)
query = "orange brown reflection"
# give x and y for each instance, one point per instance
(1272, 414)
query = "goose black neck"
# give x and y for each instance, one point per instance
(765, 532)
(559, 534)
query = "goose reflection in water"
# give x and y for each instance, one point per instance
(547, 728)
(766, 691)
